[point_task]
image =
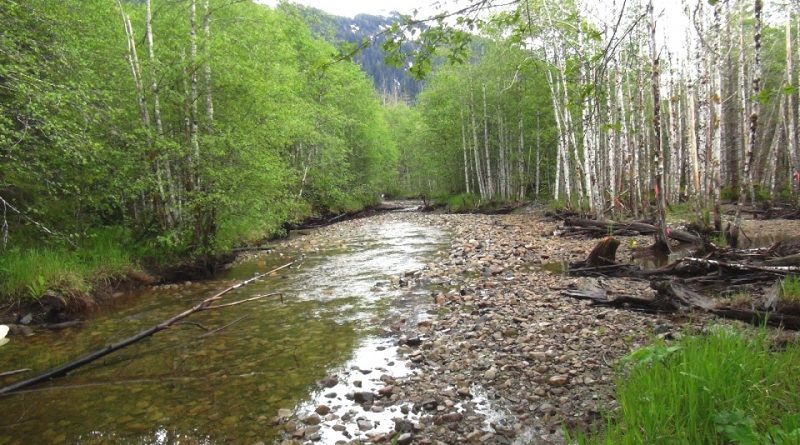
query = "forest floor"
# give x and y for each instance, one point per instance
(506, 358)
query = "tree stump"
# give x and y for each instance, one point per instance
(604, 253)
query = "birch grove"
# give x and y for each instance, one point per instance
(645, 115)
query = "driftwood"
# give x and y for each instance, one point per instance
(672, 296)
(71, 366)
(789, 260)
(14, 372)
(600, 228)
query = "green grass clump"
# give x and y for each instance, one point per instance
(462, 202)
(727, 387)
(790, 289)
(27, 273)
(682, 211)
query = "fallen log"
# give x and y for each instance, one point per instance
(760, 318)
(605, 227)
(620, 301)
(672, 296)
(89, 358)
(789, 260)
(777, 270)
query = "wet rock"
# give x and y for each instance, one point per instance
(364, 425)
(430, 404)
(329, 381)
(558, 380)
(403, 425)
(313, 419)
(323, 410)
(364, 398)
(404, 439)
(413, 341)
(448, 418)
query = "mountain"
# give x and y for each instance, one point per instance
(390, 82)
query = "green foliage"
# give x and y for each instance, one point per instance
(719, 240)
(449, 117)
(682, 210)
(292, 134)
(719, 388)
(29, 273)
(729, 193)
(790, 289)
(462, 202)
(762, 193)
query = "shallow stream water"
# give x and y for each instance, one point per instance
(183, 386)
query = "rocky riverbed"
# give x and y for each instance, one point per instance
(503, 357)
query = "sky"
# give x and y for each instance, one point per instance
(350, 8)
(672, 20)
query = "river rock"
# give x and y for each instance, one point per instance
(329, 381)
(364, 397)
(558, 380)
(312, 419)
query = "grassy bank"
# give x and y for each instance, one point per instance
(469, 203)
(727, 387)
(27, 273)
(32, 266)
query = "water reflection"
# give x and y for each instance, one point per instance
(184, 387)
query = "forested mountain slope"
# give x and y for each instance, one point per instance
(390, 81)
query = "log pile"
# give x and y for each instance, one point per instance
(597, 228)
(686, 283)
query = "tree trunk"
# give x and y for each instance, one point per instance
(193, 136)
(464, 148)
(490, 186)
(747, 180)
(791, 107)
(207, 67)
(661, 235)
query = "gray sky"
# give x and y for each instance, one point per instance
(349, 8)
(671, 23)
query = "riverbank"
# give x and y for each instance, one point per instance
(505, 357)
(56, 285)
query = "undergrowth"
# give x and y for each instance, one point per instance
(726, 387)
(790, 289)
(27, 273)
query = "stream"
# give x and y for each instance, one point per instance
(183, 386)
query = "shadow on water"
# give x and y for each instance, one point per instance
(183, 387)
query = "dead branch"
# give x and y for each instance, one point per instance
(257, 297)
(14, 372)
(214, 331)
(192, 323)
(601, 228)
(71, 366)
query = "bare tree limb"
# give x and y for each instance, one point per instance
(71, 366)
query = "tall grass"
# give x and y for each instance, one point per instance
(29, 273)
(727, 387)
(463, 202)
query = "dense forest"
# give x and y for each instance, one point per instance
(180, 130)
(172, 130)
(512, 222)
